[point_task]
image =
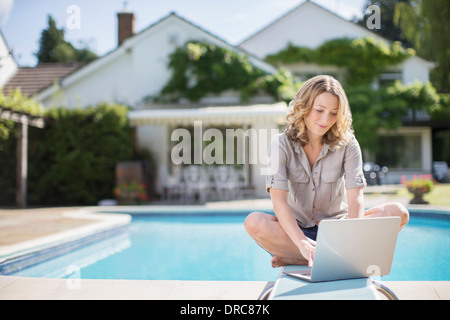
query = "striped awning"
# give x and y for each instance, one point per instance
(214, 116)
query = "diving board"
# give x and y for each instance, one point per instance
(290, 288)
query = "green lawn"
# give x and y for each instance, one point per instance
(440, 196)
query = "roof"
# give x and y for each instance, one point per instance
(298, 7)
(33, 80)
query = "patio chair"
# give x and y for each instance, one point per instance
(441, 172)
(175, 188)
(240, 177)
(196, 183)
(226, 182)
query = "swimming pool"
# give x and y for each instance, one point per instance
(422, 251)
(216, 247)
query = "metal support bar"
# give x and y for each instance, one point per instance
(382, 288)
(266, 292)
(388, 293)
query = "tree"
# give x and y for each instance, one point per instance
(385, 108)
(426, 24)
(54, 48)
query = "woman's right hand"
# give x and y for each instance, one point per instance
(307, 249)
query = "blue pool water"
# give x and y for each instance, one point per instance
(422, 251)
(217, 247)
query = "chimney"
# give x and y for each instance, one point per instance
(126, 25)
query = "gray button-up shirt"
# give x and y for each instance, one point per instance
(319, 193)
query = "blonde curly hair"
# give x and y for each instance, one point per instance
(340, 133)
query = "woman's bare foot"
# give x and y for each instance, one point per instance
(281, 262)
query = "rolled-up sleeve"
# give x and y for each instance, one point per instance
(353, 166)
(276, 176)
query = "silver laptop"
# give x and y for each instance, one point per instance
(352, 248)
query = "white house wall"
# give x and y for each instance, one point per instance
(8, 66)
(415, 69)
(112, 83)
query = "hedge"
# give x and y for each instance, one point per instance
(72, 160)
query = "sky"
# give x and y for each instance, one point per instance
(93, 23)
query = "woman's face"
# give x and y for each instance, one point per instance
(323, 114)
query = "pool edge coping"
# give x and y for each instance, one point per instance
(25, 288)
(102, 225)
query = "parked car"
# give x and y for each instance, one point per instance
(441, 171)
(374, 173)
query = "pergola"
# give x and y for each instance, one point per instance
(23, 120)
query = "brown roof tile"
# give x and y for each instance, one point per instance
(33, 80)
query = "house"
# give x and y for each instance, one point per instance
(8, 65)
(138, 68)
(310, 25)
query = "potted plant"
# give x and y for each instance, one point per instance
(131, 193)
(418, 186)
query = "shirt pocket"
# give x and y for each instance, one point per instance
(298, 179)
(331, 187)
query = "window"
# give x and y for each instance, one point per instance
(388, 79)
(400, 151)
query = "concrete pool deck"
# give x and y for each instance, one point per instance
(21, 288)
(20, 229)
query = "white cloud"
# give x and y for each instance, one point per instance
(5, 8)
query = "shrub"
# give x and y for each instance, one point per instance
(73, 160)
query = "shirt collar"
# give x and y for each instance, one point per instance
(295, 145)
(329, 147)
(326, 147)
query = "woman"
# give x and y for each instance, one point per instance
(315, 173)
